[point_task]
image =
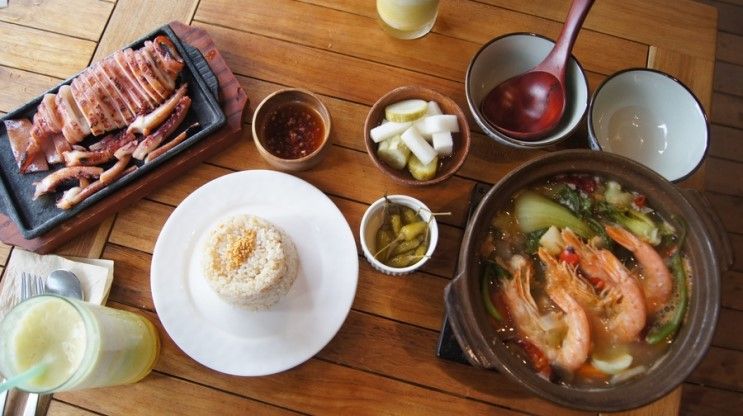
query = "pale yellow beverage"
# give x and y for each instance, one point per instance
(83, 345)
(407, 19)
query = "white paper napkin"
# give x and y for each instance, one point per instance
(95, 275)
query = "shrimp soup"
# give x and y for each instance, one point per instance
(584, 281)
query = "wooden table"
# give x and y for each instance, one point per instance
(382, 360)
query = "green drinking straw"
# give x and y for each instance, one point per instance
(32, 372)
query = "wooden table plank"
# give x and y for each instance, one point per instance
(43, 52)
(720, 368)
(87, 22)
(128, 231)
(133, 18)
(290, 64)
(727, 334)
(131, 283)
(477, 22)
(21, 86)
(680, 25)
(668, 405)
(89, 244)
(703, 401)
(732, 290)
(161, 394)
(726, 143)
(730, 48)
(345, 33)
(57, 408)
(726, 179)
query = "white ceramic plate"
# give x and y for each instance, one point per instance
(236, 341)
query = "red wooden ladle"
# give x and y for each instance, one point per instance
(530, 105)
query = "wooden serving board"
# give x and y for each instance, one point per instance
(232, 99)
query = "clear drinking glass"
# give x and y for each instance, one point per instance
(407, 19)
(84, 345)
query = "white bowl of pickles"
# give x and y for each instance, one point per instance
(417, 136)
(398, 234)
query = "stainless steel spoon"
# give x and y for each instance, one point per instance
(62, 283)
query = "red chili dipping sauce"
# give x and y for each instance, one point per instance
(292, 131)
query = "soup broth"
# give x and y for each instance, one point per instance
(584, 281)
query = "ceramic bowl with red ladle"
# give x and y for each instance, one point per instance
(507, 56)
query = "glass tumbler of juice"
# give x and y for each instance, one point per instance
(407, 19)
(82, 345)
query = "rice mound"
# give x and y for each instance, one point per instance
(250, 262)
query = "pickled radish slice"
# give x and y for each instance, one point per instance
(405, 111)
(427, 126)
(387, 130)
(418, 145)
(613, 366)
(443, 143)
(434, 109)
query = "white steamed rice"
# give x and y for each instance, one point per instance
(249, 262)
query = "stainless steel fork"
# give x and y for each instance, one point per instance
(31, 285)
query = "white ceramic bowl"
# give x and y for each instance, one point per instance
(510, 55)
(372, 220)
(652, 118)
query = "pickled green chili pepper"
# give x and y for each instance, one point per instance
(670, 320)
(404, 260)
(412, 230)
(422, 249)
(406, 246)
(409, 216)
(396, 223)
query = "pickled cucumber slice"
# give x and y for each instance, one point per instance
(405, 111)
(420, 171)
(394, 152)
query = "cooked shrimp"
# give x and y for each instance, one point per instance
(657, 282)
(585, 294)
(630, 315)
(622, 294)
(571, 351)
(587, 256)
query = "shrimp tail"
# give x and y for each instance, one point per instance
(623, 237)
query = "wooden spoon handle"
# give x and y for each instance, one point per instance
(555, 62)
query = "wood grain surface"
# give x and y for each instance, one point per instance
(383, 360)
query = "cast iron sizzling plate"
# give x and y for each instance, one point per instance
(35, 218)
